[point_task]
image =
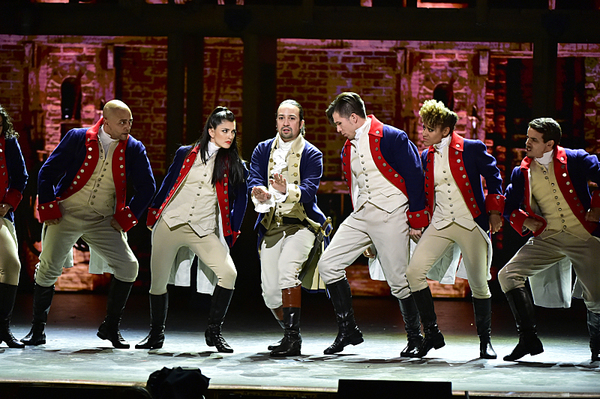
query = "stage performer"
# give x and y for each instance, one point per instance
(549, 197)
(82, 191)
(13, 178)
(383, 170)
(198, 209)
(461, 218)
(285, 173)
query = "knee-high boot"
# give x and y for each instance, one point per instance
(278, 314)
(521, 305)
(218, 309)
(159, 305)
(348, 332)
(8, 294)
(292, 341)
(42, 299)
(412, 325)
(593, 323)
(118, 294)
(483, 322)
(433, 336)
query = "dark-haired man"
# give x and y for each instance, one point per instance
(383, 171)
(549, 197)
(285, 173)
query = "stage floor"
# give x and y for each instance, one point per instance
(73, 353)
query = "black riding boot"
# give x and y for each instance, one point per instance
(42, 299)
(278, 314)
(218, 309)
(159, 305)
(292, 341)
(521, 305)
(483, 322)
(412, 325)
(593, 323)
(8, 294)
(433, 336)
(348, 332)
(118, 294)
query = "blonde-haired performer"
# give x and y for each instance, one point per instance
(12, 184)
(461, 215)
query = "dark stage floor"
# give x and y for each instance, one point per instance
(74, 355)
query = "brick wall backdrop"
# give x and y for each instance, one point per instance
(393, 77)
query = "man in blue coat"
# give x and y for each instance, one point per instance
(82, 190)
(285, 173)
(383, 170)
(549, 197)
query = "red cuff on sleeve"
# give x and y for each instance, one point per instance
(49, 211)
(153, 215)
(419, 219)
(494, 202)
(13, 198)
(125, 218)
(517, 218)
(595, 199)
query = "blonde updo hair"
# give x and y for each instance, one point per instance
(434, 113)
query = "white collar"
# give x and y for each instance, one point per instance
(212, 149)
(443, 144)
(364, 129)
(546, 158)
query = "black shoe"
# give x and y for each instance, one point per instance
(221, 298)
(412, 325)
(345, 337)
(214, 338)
(118, 293)
(348, 331)
(433, 337)
(275, 345)
(433, 340)
(110, 332)
(483, 322)
(36, 336)
(159, 305)
(521, 306)
(7, 302)
(42, 300)
(528, 345)
(154, 340)
(486, 351)
(290, 345)
(412, 347)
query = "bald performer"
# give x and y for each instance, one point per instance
(82, 193)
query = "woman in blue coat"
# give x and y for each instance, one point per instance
(200, 207)
(13, 178)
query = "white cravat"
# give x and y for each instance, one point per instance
(442, 144)
(545, 159)
(105, 139)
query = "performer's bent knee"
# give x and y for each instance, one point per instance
(9, 272)
(127, 274)
(272, 299)
(509, 281)
(227, 279)
(416, 279)
(46, 277)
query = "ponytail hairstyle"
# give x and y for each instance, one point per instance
(227, 159)
(8, 130)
